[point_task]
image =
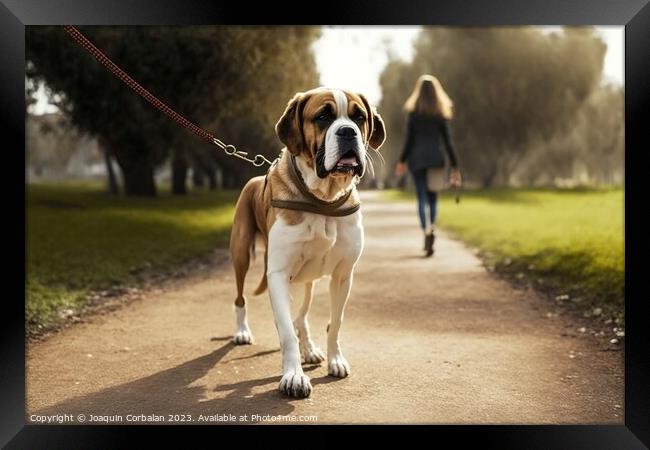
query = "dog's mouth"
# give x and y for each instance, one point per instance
(348, 163)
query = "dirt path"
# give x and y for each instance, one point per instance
(430, 341)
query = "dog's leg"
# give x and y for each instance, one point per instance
(242, 244)
(310, 353)
(294, 382)
(340, 286)
(285, 249)
(243, 334)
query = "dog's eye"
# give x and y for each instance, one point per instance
(359, 117)
(324, 117)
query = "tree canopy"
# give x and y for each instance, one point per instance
(232, 80)
(515, 91)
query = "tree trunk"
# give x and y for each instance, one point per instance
(139, 180)
(197, 175)
(179, 172)
(112, 180)
(218, 177)
(489, 177)
(229, 181)
(212, 178)
(510, 165)
(106, 148)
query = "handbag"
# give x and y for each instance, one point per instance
(435, 179)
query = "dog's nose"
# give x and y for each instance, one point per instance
(346, 132)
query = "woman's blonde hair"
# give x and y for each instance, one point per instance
(428, 97)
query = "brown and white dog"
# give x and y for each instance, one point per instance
(327, 132)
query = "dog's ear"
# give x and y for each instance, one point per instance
(376, 127)
(289, 127)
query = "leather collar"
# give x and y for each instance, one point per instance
(313, 203)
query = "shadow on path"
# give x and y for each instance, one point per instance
(171, 392)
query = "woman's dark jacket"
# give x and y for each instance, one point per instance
(425, 135)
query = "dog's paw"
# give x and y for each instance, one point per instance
(338, 367)
(242, 337)
(313, 355)
(295, 385)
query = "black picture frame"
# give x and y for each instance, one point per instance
(634, 15)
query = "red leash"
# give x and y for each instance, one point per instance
(155, 101)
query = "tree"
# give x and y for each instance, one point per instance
(512, 87)
(219, 77)
(96, 103)
(396, 81)
(591, 151)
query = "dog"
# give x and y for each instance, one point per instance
(306, 211)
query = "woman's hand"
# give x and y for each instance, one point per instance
(400, 169)
(455, 180)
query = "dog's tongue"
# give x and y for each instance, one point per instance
(348, 162)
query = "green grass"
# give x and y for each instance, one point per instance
(80, 239)
(568, 241)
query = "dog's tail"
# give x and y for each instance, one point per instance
(261, 287)
(244, 233)
(263, 284)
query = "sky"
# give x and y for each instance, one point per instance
(353, 57)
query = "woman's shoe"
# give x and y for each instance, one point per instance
(428, 243)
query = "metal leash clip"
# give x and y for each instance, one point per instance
(231, 150)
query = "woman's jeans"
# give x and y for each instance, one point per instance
(425, 198)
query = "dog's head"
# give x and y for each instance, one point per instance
(330, 129)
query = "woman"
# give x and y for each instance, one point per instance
(430, 111)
